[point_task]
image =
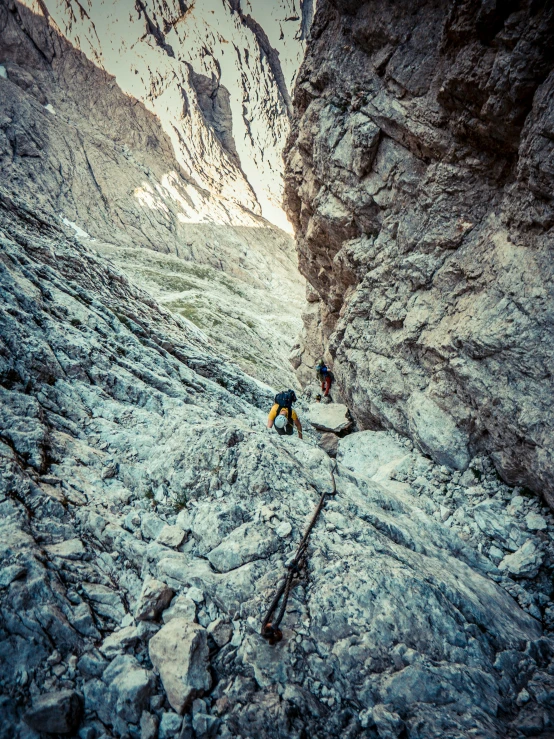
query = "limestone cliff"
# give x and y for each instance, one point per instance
(420, 185)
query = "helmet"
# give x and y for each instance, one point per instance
(281, 421)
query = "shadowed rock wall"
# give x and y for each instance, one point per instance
(420, 183)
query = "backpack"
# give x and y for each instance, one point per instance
(285, 400)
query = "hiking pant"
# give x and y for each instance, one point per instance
(287, 431)
(326, 384)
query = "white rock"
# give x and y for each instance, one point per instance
(283, 529)
(171, 536)
(437, 433)
(118, 641)
(151, 525)
(366, 452)
(445, 513)
(495, 553)
(525, 562)
(148, 726)
(244, 544)
(195, 594)
(70, 549)
(517, 505)
(179, 651)
(535, 522)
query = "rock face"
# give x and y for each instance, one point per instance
(420, 186)
(132, 451)
(115, 176)
(217, 76)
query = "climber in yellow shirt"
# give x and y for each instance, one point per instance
(282, 416)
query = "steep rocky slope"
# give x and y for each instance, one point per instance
(108, 171)
(420, 186)
(147, 517)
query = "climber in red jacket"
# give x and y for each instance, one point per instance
(325, 376)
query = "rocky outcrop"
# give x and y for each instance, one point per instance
(118, 426)
(420, 187)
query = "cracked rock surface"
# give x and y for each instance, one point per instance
(419, 182)
(120, 425)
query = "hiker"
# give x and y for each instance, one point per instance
(325, 376)
(282, 417)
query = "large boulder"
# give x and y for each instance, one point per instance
(329, 417)
(179, 651)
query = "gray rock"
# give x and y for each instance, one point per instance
(393, 226)
(170, 725)
(181, 607)
(10, 573)
(436, 432)
(154, 598)
(129, 688)
(151, 525)
(55, 713)
(329, 443)
(148, 726)
(179, 652)
(205, 725)
(220, 631)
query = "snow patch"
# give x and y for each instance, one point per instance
(50, 109)
(3, 72)
(78, 231)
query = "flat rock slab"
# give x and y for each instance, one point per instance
(366, 451)
(329, 417)
(55, 713)
(70, 549)
(179, 651)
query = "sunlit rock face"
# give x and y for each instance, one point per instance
(420, 186)
(158, 182)
(218, 77)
